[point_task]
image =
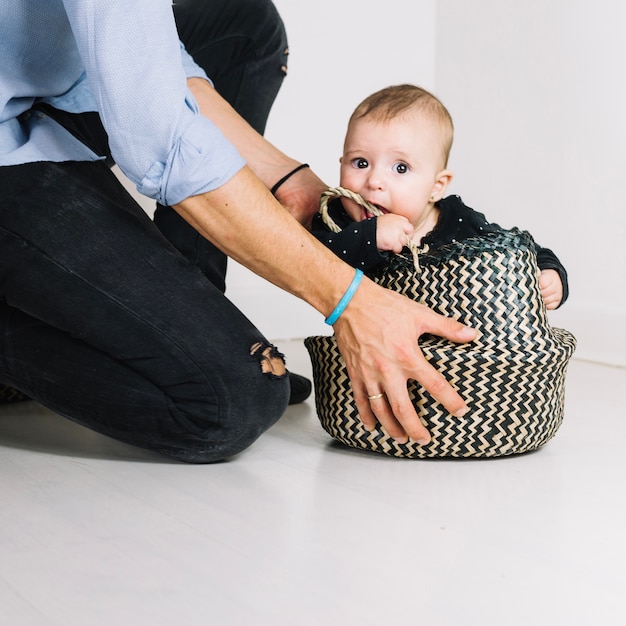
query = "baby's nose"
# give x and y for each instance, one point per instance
(375, 180)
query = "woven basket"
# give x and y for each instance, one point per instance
(512, 376)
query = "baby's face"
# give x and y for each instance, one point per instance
(392, 164)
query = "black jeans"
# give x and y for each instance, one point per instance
(102, 319)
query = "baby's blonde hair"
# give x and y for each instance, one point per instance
(386, 104)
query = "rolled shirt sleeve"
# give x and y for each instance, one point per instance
(136, 70)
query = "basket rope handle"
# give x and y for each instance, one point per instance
(342, 192)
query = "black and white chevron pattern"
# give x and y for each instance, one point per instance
(512, 376)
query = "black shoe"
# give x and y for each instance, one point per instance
(8, 394)
(300, 388)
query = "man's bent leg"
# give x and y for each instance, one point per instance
(105, 323)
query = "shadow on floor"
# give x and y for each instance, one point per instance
(30, 426)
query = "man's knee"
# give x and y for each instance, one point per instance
(245, 413)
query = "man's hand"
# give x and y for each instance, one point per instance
(377, 335)
(300, 195)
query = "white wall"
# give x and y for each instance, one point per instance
(538, 94)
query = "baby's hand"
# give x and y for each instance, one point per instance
(551, 288)
(393, 232)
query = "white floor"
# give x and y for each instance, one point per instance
(301, 531)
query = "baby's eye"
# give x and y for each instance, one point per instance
(360, 163)
(401, 168)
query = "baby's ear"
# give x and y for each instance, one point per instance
(442, 180)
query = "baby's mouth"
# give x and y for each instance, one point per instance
(367, 214)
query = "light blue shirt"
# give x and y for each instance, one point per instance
(121, 58)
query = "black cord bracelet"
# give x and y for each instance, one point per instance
(286, 177)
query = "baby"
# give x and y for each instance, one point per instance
(395, 156)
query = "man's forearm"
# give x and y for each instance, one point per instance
(247, 223)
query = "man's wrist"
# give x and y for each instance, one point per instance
(345, 300)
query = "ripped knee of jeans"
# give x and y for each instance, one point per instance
(271, 360)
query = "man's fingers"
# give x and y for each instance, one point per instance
(436, 324)
(402, 408)
(394, 411)
(440, 389)
(365, 410)
(374, 409)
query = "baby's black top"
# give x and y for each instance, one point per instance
(356, 243)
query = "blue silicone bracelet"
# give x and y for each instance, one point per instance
(343, 303)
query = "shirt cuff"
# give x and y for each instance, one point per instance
(190, 67)
(201, 161)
